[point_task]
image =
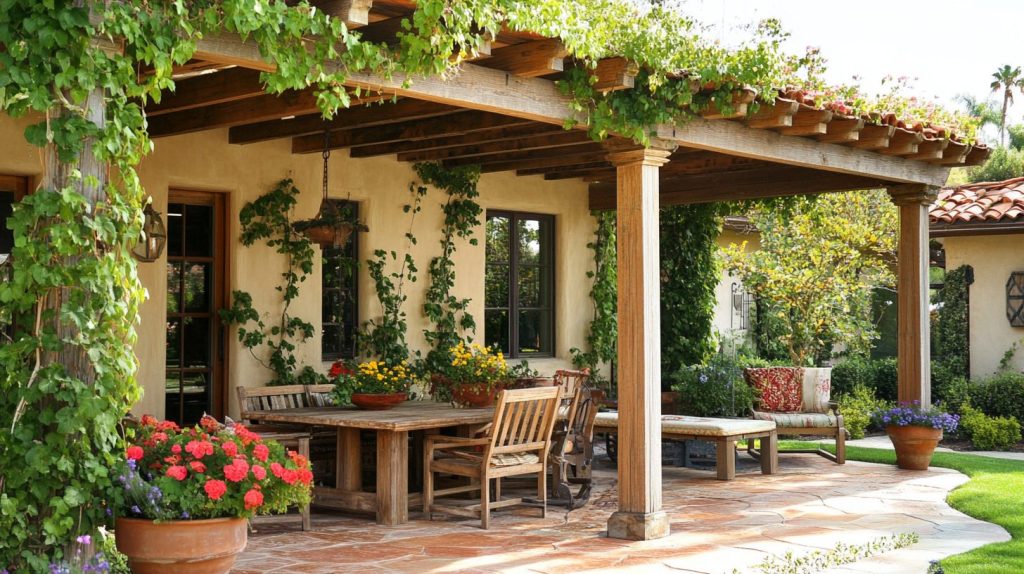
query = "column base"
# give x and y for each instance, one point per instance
(638, 525)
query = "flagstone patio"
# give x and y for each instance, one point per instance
(716, 527)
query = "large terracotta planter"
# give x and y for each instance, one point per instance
(914, 445)
(474, 396)
(193, 546)
(378, 402)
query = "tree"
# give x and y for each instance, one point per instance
(819, 261)
(1004, 163)
(1006, 79)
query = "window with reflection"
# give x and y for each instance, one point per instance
(339, 307)
(519, 284)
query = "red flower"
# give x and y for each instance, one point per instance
(261, 452)
(159, 437)
(276, 469)
(148, 421)
(259, 472)
(135, 452)
(230, 448)
(215, 489)
(253, 499)
(299, 460)
(177, 472)
(339, 368)
(176, 449)
(167, 426)
(305, 475)
(197, 466)
(199, 448)
(209, 423)
(245, 434)
(236, 471)
(290, 476)
(175, 459)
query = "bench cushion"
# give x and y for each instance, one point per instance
(799, 420)
(697, 426)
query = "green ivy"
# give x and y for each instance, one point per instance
(602, 336)
(952, 347)
(268, 219)
(448, 314)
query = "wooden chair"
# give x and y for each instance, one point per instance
(253, 400)
(517, 442)
(572, 442)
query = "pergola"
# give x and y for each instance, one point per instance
(504, 112)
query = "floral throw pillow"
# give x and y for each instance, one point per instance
(779, 388)
(817, 389)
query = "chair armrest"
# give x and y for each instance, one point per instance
(439, 442)
(834, 407)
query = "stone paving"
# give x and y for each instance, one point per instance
(717, 527)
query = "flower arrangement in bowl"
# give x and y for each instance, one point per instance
(915, 431)
(372, 385)
(473, 378)
(200, 484)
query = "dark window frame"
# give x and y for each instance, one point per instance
(513, 308)
(352, 247)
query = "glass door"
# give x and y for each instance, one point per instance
(195, 280)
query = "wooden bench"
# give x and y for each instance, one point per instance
(723, 432)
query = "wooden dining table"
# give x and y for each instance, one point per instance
(392, 498)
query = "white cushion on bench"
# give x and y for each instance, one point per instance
(696, 426)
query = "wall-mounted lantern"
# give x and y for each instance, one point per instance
(1015, 299)
(154, 236)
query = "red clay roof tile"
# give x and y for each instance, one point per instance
(977, 202)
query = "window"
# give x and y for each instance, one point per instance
(519, 284)
(12, 189)
(340, 297)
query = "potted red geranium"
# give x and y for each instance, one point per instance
(187, 494)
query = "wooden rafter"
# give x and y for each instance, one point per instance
(530, 154)
(842, 129)
(777, 115)
(475, 138)
(529, 59)
(874, 137)
(352, 117)
(260, 108)
(354, 13)
(903, 143)
(930, 150)
(612, 74)
(808, 122)
(457, 123)
(955, 153)
(484, 151)
(209, 89)
(569, 156)
(595, 170)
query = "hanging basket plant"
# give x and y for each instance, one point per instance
(333, 225)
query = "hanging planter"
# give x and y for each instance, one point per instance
(333, 225)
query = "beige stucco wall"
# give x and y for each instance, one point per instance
(726, 320)
(993, 258)
(206, 162)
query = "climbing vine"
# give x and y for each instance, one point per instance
(448, 314)
(384, 337)
(952, 347)
(689, 275)
(602, 335)
(268, 219)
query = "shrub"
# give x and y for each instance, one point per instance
(954, 394)
(879, 375)
(715, 389)
(856, 407)
(1000, 396)
(990, 433)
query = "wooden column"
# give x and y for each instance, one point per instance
(640, 516)
(913, 327)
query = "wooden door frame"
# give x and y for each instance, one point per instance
(221, 203)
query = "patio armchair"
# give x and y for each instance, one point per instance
(572, 442)
(517, 443)
(799, 405)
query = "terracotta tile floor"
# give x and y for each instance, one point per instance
(716, 527)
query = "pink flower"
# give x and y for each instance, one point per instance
(259, 472)
(261, 452)
(177, 472)
(236, 471)
(290, 476)
(197, 466)
(276, 469)
(305, 475)
(253, 499)
(159, 437)
(135, 452)
(199, 448)
(176, 449)
(230, 448)
(215, 489)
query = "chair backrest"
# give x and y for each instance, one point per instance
(582, 414)
(523, 421)
(251, 400)
(568, 381)
(319, 395)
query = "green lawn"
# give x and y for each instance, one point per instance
(994, 494)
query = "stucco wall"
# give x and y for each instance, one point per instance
(206, 162)
(993, 258)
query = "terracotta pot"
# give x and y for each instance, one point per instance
(914, 445)
(378, 401)
(328, 236)
(193, 546)
(474, 396)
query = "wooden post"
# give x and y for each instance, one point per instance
(640, 516)
(913, 326)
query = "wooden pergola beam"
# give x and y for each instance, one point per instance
(354, 13)
(529, 59)
(209, 89)
(777, 115)
(474, 138)
(808, 122)
(498, 151)
(458, 123)
(930, 150)
(359, 116)
(543, 159)
(750, 184)
(260, 108)
(874, 137)
(612, 74)
(538, 99)
(841, 130)
(903, 143)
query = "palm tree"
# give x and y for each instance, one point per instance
(1006, 79)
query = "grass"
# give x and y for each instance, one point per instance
(994, 493)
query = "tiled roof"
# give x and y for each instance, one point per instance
(989, 202)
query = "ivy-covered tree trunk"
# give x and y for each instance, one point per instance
(952, 332)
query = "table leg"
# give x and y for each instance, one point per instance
(725, 453)
(349, 471)
(392, 477)
(770, 453)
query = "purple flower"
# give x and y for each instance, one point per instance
(84, 539)
(136, 509)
